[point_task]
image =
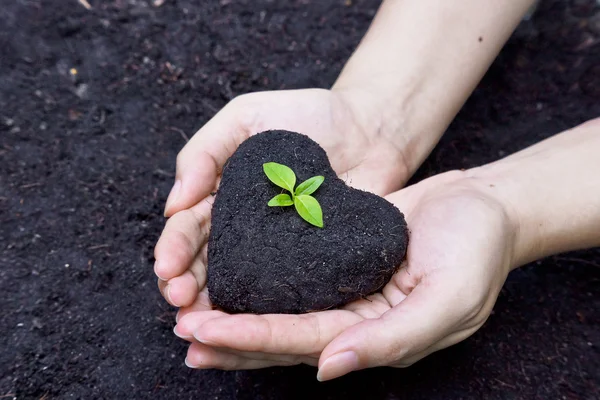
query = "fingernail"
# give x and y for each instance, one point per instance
(187, 363)
(168, 293)
(173, 195)
(202, 365)
(156, 271)
(338, 365)
(179, 335)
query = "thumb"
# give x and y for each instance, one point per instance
(429, 314)
(201, 160)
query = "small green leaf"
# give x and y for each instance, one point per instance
(280, 175)
(309, 186)
(309, 209)
(281, 200)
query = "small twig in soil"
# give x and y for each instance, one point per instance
(258, 184)
(85, 4)
(206, 104)
(589, 42)
(102, 117)
(99, 246)
(505, 384)
(7, 395)
(167, 316)
(116, 84)
(162, 172)
(158, 386)
(182, 133)
(30, 185)
(579, 369)
(523, 371)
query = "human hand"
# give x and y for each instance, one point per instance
(360, 149)
(459, 254)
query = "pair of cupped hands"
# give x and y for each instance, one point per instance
(459, 254)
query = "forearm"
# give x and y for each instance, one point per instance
(419, 62)
(552, 193)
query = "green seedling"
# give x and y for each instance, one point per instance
(306, 205)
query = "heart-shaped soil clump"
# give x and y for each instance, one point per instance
(265, 259)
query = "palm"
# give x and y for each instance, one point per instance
(455, 267)
(327, 117)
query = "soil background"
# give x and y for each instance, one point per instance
(87, 160)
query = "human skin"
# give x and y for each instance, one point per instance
(413, 70)
(468, 230)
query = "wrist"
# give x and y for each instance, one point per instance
(503, 185)
(551, 191)
(390, 122)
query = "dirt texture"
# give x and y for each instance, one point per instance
(265, 259)
(87, 161)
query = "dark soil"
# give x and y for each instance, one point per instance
(87, 161)
(265, 259)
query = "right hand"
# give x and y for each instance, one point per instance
(461, 248)
(360, 150)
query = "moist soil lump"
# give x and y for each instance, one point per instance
(265, 259)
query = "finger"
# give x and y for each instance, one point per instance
(184, 235)
(165, 290)
(185, 288)
(431, 312)
(372, 306)
(277, 359)
(205, 357)
(198, 267)
(289, 359)
(276, 333)
(182, 290)
(201, 160)
(393, 295)
(405, 281)
(201, 303)
(188, 323)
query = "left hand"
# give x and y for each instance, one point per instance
(344, 123)
(460, 253)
